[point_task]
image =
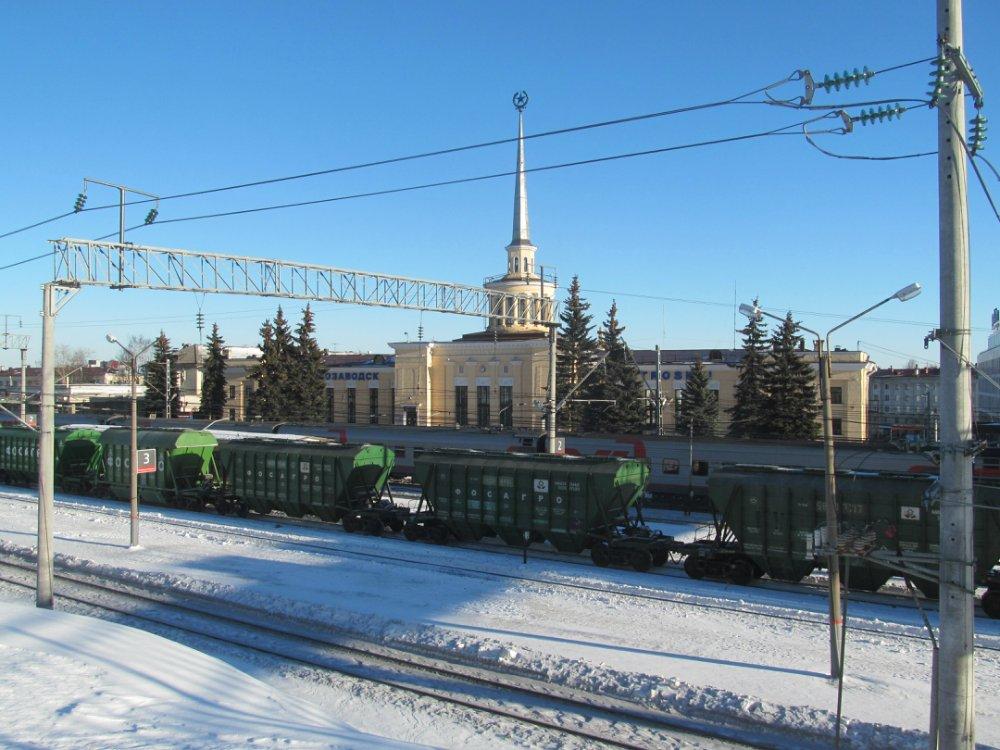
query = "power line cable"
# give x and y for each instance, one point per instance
(975, 168)
(495, 175)
(423, 155)
(796, 75)
(862, 157)
(989, 164)
(43, 222)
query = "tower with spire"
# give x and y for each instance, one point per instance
(522, 276)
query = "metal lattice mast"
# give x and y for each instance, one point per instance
(117, 266)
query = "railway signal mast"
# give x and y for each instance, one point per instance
(18, 341)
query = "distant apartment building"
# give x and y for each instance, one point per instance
(988, 363)
(903, 404)
(240, 360)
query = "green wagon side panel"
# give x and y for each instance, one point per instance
(76, 452)
(313, 476)
(561, 498)
(184, 459)
(775, 512)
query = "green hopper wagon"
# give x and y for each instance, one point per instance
(570, 501)
(778, 516)
(184, 466)
(298, 477)
(77, 456)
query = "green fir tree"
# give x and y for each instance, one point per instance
(265, 400)
(213, 382)
(791, 406)
(748, 415)
(155, 379)
(576, 355)
(307, 387)
(699, 407)
(618, 383)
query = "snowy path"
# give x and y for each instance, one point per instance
(676, 654)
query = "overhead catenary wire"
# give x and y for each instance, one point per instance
(739, 99)
(496, 175)
(421, 155)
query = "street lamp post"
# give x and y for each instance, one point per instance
(836, 617)
(133, 444)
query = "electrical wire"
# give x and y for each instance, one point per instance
(424, 155)
(36, 224)
(861, 157)
(989, 164)
(495, 142)
(27, 260)
(495, 175)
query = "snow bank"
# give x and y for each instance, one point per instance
(76, 682)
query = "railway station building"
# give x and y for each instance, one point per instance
(849, 384)
(492, 378)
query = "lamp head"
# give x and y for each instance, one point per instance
(749, 311)
(112, 339)
(908, 292)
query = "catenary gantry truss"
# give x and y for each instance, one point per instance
(116, 266)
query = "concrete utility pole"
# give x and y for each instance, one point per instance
(133, 461)
(24, 385)
(659, 401)
(46, 449)
(956, 693)
(550, 419)
(167, 390)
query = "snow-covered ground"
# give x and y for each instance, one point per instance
(700, 648)
(78, 682)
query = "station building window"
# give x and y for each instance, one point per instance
(506, 406)
(483, 405)
(352, 406)
(392, 406)
(836, 395)
(462, 404)
(330, 416)
(373, 406)
(838, 426)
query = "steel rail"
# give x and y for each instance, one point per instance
(277, 538)
(368, 655)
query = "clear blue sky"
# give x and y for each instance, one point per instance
(169, 97)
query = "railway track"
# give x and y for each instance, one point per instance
(783, 612)
(519, 696)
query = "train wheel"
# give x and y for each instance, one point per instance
(641, 560)
(694, 567)
(242, 509)
(600, 554)
(991, 603)
(351, 523)
(740, 572)
(374, 526)
(930, 589)
(660, 558)
(396, 525)
(438, 534)
(411, 531)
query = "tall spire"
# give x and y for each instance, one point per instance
(520, 234)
